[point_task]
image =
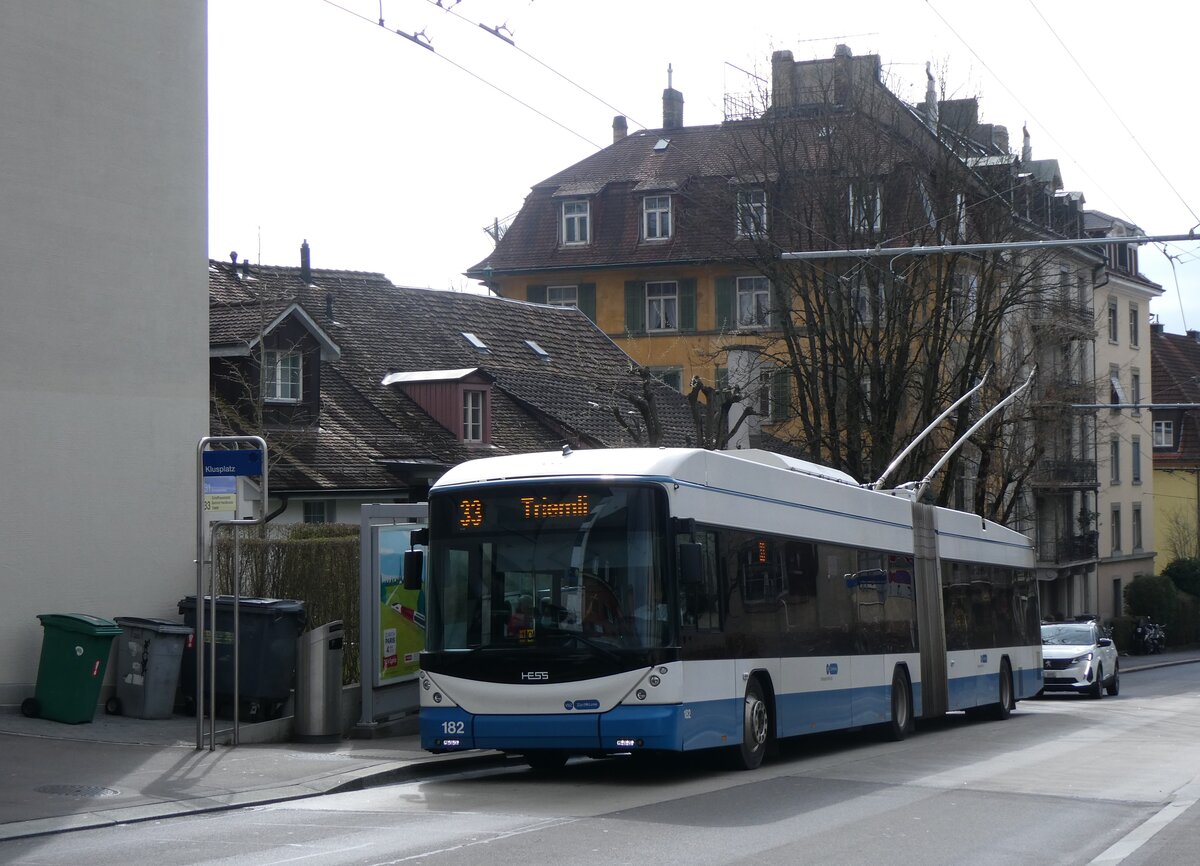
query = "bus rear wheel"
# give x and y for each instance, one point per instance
(902, 723)
(756, 729)
(1003, 707)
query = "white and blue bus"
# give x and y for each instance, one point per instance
(637, 600)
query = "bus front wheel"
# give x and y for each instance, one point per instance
(756, 729)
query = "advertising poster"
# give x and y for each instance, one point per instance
(401, 611)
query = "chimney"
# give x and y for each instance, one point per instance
(1157, 328)
(620, 128)
(1000, 137)
(1194, 335)
(672, 105)
(783, 80)
(1026, 147)
(305, 265)
(931, 98)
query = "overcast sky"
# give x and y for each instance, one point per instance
(387, 156)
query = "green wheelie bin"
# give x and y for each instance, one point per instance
(75, 650)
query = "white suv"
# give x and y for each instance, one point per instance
(1077, 657)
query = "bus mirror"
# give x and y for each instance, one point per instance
(691, 563)
(418, 536)
(414, 566)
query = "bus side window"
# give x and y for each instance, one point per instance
(700, 602)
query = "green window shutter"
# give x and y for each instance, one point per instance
(687, 305)
(536, 294)
(726, 303)
(781, 394)
(587, 300)
(635, 307)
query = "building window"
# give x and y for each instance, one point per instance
(281, 376)
(753, 302)
(575, 222)
(751, 212)
(656, 217)
(866, 208)
(1136, 526)
(1118, 600)
(670, 376)
(964, 298)
(473, 416)
(1113, 326)
(1116, 393)
(316, 511)
(1164, 434)
(1116, 528)
(1134, 319)
(1135, 390)
(866, 295)
(562, 296)
(1114, 460)
(774, 394)
(1136, 447)
(662, 306)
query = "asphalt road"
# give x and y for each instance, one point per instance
(1064, 781)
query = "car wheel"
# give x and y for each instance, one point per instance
(1114, 685)
(1097, 690)
(756, 728)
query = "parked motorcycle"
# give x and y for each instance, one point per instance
(1158, 638)
(1149, 638)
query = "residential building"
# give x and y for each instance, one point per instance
(1175, 444)
(1123, 350)
(367, 392)
(103, 378)
(758, 254)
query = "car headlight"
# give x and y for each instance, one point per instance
(1086, 657)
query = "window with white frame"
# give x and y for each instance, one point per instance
(1116, 527)
(866, 207)
(1114, 460)
(751, 212)
(1116, 393)
(1134, 321)
(282, 376)
(562, 296)
(1135, 526)
(1113, 325)
(1164, 434)
(753, 302)
(656, 217)
(1135, 448)
(960, 214)
(575, 221)
(662, 306)
(473, 416)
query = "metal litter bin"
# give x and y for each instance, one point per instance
(318, 716)
(148, 656)
(75, 649)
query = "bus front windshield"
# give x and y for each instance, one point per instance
(547, 565)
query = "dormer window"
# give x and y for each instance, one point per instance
(751, 213)
(473, 415)
(541, 353)
(576, 222)
(282, 376)
(656, 217)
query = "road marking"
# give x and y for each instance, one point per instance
(1184, 799)
(508, 834)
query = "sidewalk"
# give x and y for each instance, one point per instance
(115, 770)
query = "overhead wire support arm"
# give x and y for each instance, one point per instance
(868, 252)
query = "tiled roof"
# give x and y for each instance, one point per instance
(538, 402)
(1175, 377)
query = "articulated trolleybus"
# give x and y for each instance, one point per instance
(673, 599)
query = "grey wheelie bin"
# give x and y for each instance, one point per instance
(147, 673)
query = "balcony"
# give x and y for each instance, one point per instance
(1069, 473)
(1063, 318)
(1069, 548)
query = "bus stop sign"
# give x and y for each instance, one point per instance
(245, 461)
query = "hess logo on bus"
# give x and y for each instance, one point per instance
(535, 676)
